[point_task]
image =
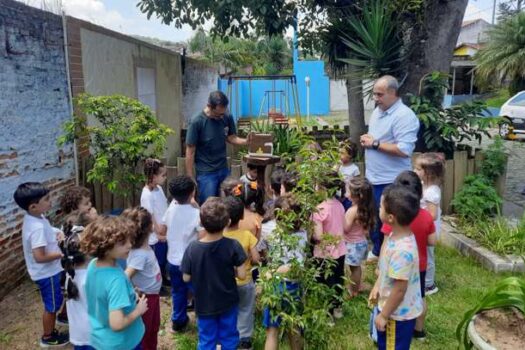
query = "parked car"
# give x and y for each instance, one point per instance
(513, 115)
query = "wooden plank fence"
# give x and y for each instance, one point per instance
(464, 163)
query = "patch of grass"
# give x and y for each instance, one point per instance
(5, 338)
(461, 283)
(498, 99)
(497, 235)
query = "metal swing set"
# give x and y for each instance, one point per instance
(276, 101)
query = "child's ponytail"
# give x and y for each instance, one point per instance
(72, 257)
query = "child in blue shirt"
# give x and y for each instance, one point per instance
(114, 313)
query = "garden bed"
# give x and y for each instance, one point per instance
(469, 247)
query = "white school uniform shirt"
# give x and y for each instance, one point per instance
(349, 171)
(148, 278)
(37, 233)
(156, 203)
(183, 223)
(79, 326)
(432, 194)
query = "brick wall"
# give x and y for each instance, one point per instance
(34, 103)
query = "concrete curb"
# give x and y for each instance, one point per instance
(469, 247)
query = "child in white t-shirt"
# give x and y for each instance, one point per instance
(347, 168)
(156, 203)
(42, 255)
(430, 169)
(75, 264)
(144, 272)
(183, 224)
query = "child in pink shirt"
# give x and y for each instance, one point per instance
(329, 221)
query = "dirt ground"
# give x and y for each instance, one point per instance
(21, 321)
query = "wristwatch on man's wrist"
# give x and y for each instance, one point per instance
(375, 144)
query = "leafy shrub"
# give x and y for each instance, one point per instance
(495, 160)
(498, 235)
(310, 311)
(477, 199)
(125, 132)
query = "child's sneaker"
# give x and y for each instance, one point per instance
(431, 290)
(55, 340)
(245, 344)
(419, 335)
(179, 328)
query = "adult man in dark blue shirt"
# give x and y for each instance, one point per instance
(206, 140)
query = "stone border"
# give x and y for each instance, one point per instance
(469, 247)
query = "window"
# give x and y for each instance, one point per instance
(518, 100)
(146, 92)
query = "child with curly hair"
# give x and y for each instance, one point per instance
(76, 198)
(113, 309)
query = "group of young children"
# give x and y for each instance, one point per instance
(113, 269)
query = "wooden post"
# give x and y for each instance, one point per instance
(181, 165)
(448, 186)
(501, 182)
(236, 170)
(470, 166)
(107, 200)
(460, 169)
(97, 191)
(478, 160)
(361, 166)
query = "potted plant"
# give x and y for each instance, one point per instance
(123, 133)
(508, 299)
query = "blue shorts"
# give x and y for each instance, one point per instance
(356, 253)
(398, 335)
(51, 292)
(270, 320)
(219, 329)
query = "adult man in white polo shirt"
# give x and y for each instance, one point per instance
(391, 138)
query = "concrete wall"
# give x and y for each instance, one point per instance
(109, 62)
(339, 99)
(34, 103)
(198, 80)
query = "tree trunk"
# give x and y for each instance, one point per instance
(356, 109)
(435, 40)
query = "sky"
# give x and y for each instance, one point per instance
(124, 16)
